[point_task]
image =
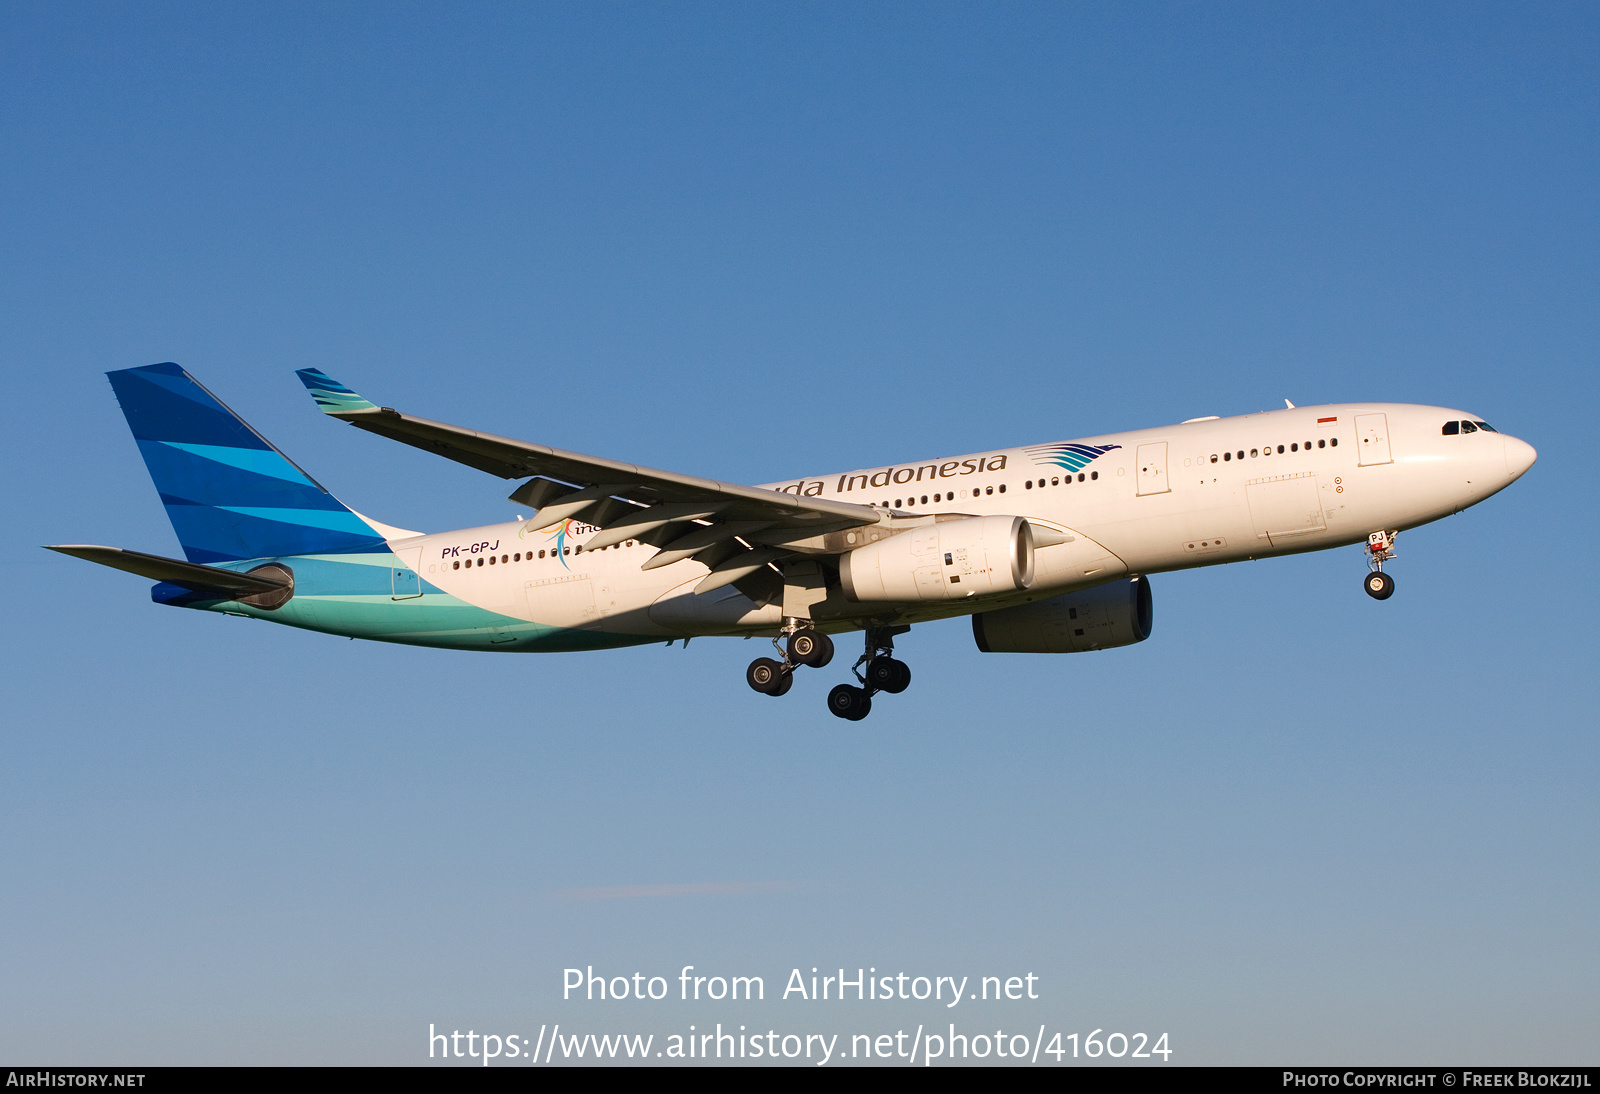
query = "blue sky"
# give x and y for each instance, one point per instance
(754, 242)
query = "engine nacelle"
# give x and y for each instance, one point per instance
(1114, 614)
(949, 560)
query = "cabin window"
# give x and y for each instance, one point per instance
(1322, 444)
(1334, 442)
(1280, 450)
(1252, 453)
(480, 562)
(1055, 482)
(457, 566)
(989, 490)
(566, 550)
(1213, 457)
(541, 554)
(1094, 474)
(1002, 488)
(1028, 485)
(1294, 448)
(491, 560)
(1227, 455)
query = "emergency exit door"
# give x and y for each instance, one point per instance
(1152, 466)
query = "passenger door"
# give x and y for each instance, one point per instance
(1372, 439)
(1152, 463)
(405, 582)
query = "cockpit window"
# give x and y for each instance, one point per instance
(1486, 427)
(1451, 429)
(1468, 427)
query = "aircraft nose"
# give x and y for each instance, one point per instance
(1519, 457)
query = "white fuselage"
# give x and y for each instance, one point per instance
(1196, 494)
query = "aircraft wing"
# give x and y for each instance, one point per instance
(682, 515)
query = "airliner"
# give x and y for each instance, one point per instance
(1048, 548)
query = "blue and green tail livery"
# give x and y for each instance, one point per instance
(229, 493)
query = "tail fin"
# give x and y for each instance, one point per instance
(229, 494)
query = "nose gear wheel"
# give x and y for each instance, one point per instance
(1380, 549)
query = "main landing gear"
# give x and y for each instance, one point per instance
(1380, 549)
(883, 673)
(799, 645)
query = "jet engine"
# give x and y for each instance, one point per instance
(1114, 614)
(949, 560)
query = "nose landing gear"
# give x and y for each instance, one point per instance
(883, 673)
(1380, 549)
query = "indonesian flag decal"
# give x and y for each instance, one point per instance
(1325, 421)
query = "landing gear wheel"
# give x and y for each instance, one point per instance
(1379, 585)
(767, 676)
(849, 702)
(887, 674)
(807, 647)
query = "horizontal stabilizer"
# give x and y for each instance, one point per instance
(188, 574)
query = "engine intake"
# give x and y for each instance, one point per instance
(1102, 618)
(949, 560)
